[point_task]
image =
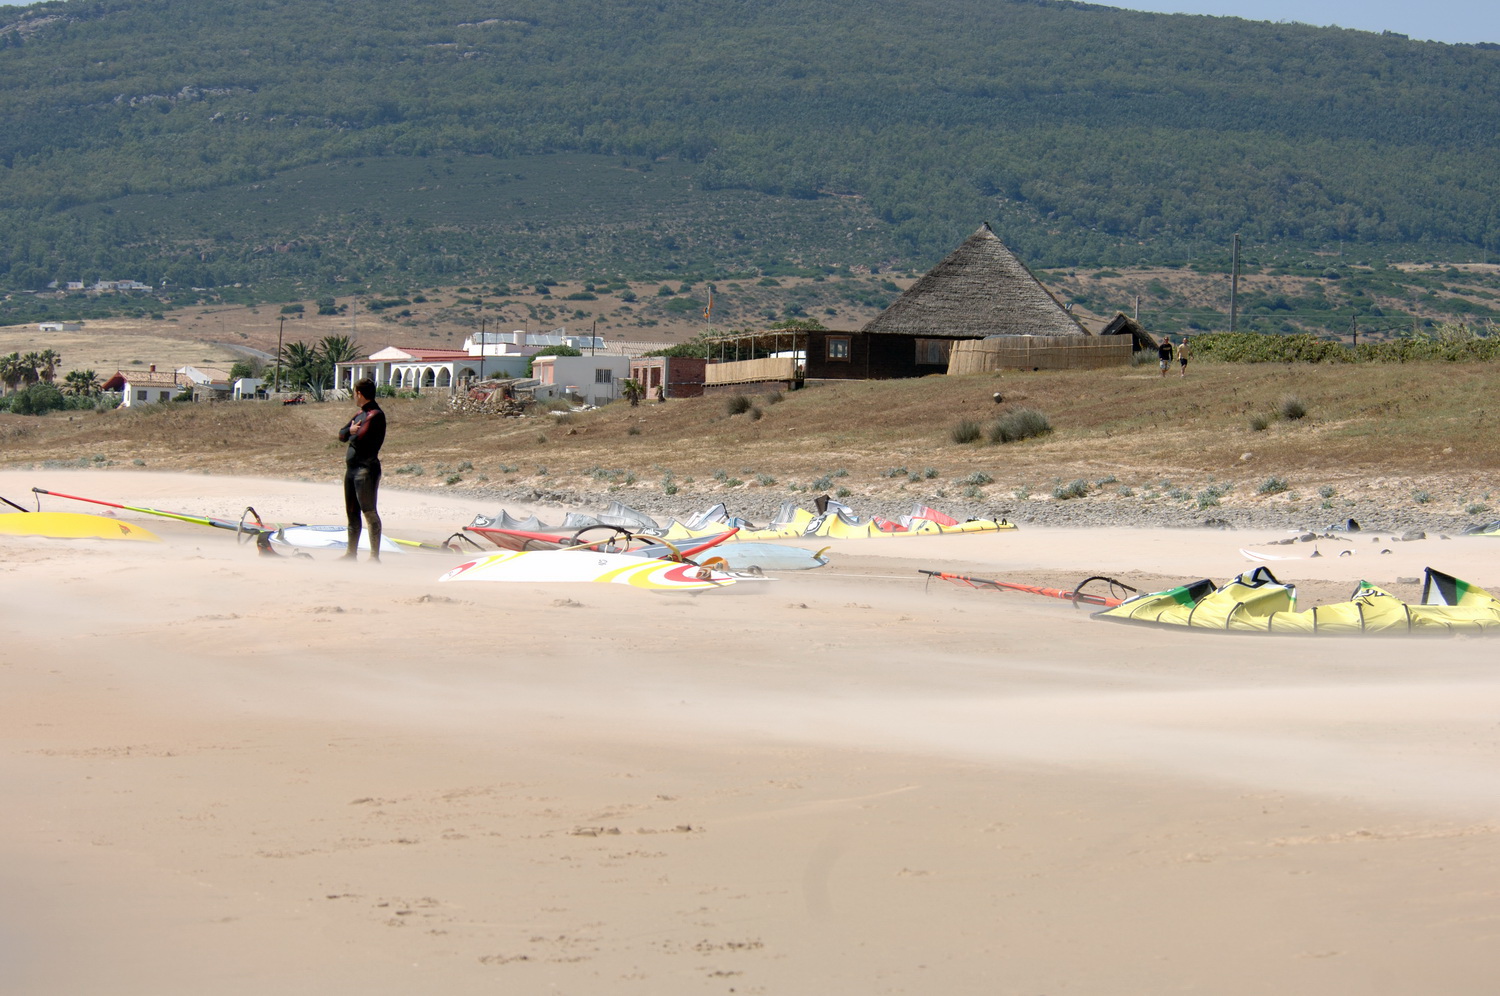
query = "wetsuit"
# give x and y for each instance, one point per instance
(365, 433)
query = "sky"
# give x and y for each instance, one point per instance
(1454, 21)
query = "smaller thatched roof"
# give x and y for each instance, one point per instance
(981, 289)
(1123, 324)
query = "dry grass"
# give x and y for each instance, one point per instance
(1426, 423)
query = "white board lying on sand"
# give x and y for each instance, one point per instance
(1253, 555)
(551, 566)
(326, 538)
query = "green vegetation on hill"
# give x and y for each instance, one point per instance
(303, 145)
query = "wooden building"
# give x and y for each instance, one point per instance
(979, 290)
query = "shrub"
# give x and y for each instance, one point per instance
(739, 404)
(756, 414)
(894, 472)
(976, 478)
(414, 469)
(1292, 408)
(634, 430)
(1272, 486)
(1475, 508)
(1018, 424)
(842, 493)
(929, 473)
(1075, 489)
(38, 399)
(1125, 491)
(1327, 491)
(821, 484)
(1421, 497)
(1259, 423)
(453, 478)
(966, 431)
(775, 398)
(764, 480)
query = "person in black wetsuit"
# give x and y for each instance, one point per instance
(365, 433)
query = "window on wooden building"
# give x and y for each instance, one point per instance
(838, 347)
(933, 352)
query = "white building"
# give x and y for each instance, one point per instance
(202, 375)
(248, 387)
(60, 326)
(598, 380)
(409, 368)
(148, 388)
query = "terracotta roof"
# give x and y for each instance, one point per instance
(980, 289)
(150, 380)
(435, 354)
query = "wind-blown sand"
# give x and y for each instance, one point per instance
(229, 774)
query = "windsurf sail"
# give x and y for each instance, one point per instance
(72, 525)
(1257, 602)
(1077, 596)
(569, 566)
(249, 525)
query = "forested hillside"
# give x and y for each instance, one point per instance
(307, 144)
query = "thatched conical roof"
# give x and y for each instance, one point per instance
(980, 289)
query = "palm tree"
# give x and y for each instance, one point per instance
(31, 365)
(10, 371)
(83, 383)
(300, 361)
(337, 349)
(47, 361)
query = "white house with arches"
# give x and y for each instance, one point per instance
(409, 368)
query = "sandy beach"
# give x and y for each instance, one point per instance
(232, 774)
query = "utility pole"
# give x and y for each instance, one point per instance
(280, 328)
(482, 347)
(1354, 328)
(1137, 314)
(1234, 284)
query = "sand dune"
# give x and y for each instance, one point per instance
(232, 774)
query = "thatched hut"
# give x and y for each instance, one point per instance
(981, 289)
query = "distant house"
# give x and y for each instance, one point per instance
(677, 376)
(248, 387)
(60, 326)
(139, 388)
(202, 375)
(595, 379)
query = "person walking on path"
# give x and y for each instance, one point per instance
(1182, 357)
(1164, 354)
(365, 434)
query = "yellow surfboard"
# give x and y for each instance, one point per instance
(72, 525)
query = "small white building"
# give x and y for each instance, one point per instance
(148, 388)
(249, 387)
(598, 380)
(60, 326)
(202, 375)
